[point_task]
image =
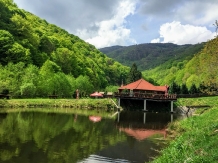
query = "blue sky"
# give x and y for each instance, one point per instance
(106, 23)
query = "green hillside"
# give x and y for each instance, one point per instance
(201, 70)
(150, 55)
(38, 58)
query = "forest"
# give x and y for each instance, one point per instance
(38, 59)
(187, 69)
(201, 71)
(150, 55)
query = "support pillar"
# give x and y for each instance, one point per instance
(145, 107)
(171, 106)
(171, 117)
(144, 117)
(118, 116)
(118, 102)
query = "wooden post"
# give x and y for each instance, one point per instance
(144, 117)
(145, 109)
(171, 117)
(118, 116)
(171, 106)
(118, 102)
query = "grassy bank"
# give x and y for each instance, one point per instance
(196, 137)
(58, 103)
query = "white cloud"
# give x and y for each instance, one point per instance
(112, 31)
(198, 12)
(177, 33)
(157, 40)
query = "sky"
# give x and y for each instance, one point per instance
(105, 23)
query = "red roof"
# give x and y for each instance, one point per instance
(96, 94)
(142, 84)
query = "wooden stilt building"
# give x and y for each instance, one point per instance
(144, 95)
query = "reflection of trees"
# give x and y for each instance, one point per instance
(48, 137)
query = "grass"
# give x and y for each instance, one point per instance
(57, 103)
(196, 137)
(202, 101)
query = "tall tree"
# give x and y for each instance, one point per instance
(193, 89)
(134, 74)
(184, 89)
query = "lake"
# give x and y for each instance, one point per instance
(41, 137)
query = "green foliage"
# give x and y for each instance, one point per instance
(134, 74)
(193, 89)
(84, 85)
(26, 38)
(57, 134)
(200, 70)
(148, 56)
(111, 88)
(196, 140)
(174, 88)
(184, 89)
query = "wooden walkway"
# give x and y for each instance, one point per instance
(144, 96)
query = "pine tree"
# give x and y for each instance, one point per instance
(184, 89)
(134, 74)
(193, 89)
(174, 88)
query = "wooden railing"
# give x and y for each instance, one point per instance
(146, 96)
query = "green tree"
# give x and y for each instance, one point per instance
(84, 85)
(65, 59)
(174, 88)
(111, 88)
(29, 82)
(47, 78)
(18, 53)
(193, 89)
(6, 42)
(184, 89)
(134, 74)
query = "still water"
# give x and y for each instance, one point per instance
(37, 137)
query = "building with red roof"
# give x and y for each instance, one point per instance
(142, 94)
(143, 86)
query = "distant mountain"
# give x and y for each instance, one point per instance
(111, 48)
(150, 55)
(200, 70)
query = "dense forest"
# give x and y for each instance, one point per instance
(149, 55)
(200, 72)
(38, 58)
(188, 69)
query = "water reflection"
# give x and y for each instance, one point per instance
(50, 137)
(142, 125)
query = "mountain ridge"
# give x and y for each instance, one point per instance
(150, 55)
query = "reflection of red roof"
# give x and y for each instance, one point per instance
(142, 134)
(95, 118)
(142, 84)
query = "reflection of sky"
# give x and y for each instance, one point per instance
(101, 159)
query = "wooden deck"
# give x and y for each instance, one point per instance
(146, 96)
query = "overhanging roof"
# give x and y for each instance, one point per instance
(142, 84)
